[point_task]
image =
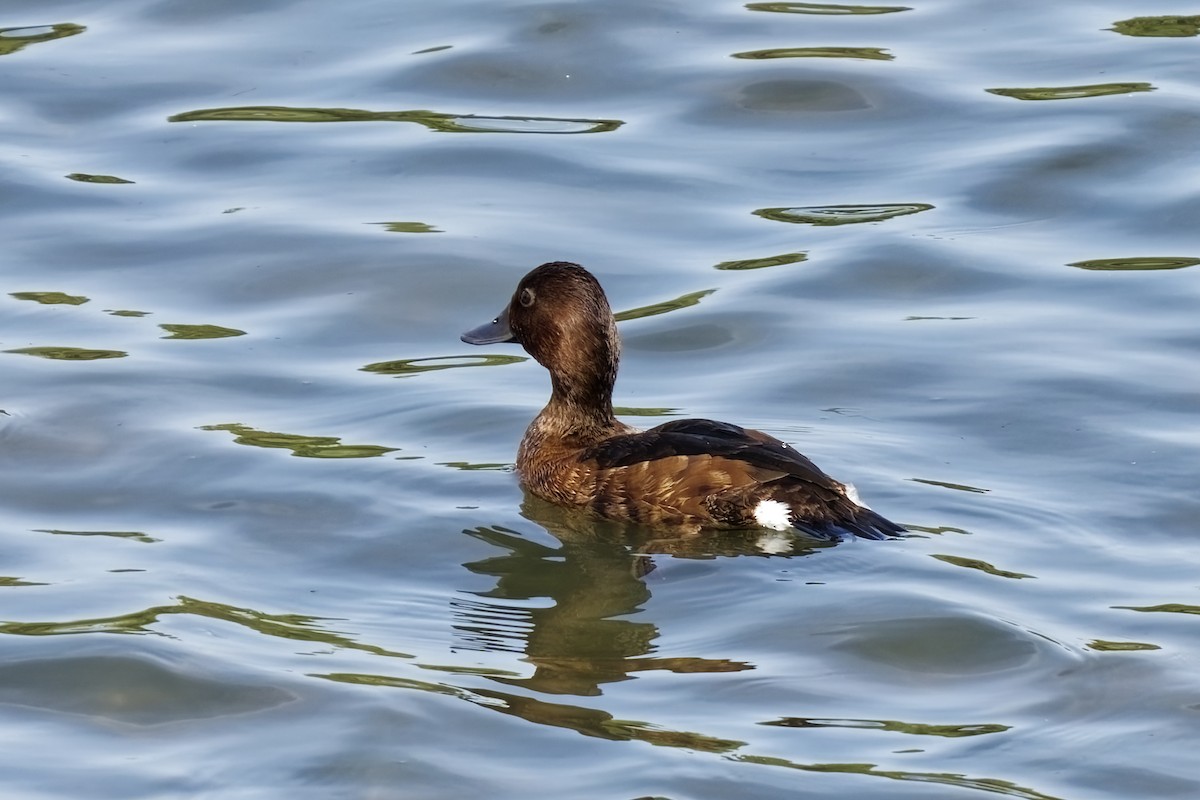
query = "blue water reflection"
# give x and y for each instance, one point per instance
(262, 533)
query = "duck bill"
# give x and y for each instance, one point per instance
(495, 332)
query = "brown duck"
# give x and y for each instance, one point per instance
(691, 472)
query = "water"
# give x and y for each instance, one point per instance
(261, 533)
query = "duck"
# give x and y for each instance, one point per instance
(688, 473)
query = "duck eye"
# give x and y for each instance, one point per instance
(526, 297)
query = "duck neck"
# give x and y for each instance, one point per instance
(581, 407)
(582, 361)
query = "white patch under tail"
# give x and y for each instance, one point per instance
(773, 514)
(852, 495)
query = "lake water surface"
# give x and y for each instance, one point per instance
(261, 533)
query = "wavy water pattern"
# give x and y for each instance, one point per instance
(83, 177)
(406, 367)
(433, 120)
(1159, 26)
(13, 40)
(279, 503)
(51, 298)
(300, 445)
(824, 9)
(841, 215)
(68, 353)
(1073, 92)
(175, 331)
(866, 53)
(891, 726)
(663, 307)
(1136, 263)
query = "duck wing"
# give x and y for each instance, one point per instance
(772, 470)
(706, 437)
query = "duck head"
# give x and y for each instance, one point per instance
(560, 315)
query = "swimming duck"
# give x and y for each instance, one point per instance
(693, 473)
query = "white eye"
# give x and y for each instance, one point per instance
(526, 298)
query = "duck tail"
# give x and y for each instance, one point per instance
(865, 524)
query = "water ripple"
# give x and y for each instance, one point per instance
(827, 9)
(961, 487)
(1137, 263)
(1105, 646)
(294, 627)
(131, 690)
(1167, 608)
(51, 298)
(9, 581)
(434, 120)
(407, 227)
(1072, 92)
(302, 446)
(1158, 26)
(654, 309)
(83, 177)
(982, 566)
(841, 215)
(892, 726)
(13, 40)
(68, 353)
(406, 367)
(984, 785)
(136, 536)
(760, 263)
(199, 332)
(870, 53)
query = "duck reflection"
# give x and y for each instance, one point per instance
(596, 582)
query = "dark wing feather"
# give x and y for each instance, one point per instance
(868, 524)
(824, 510)
(695, 437)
